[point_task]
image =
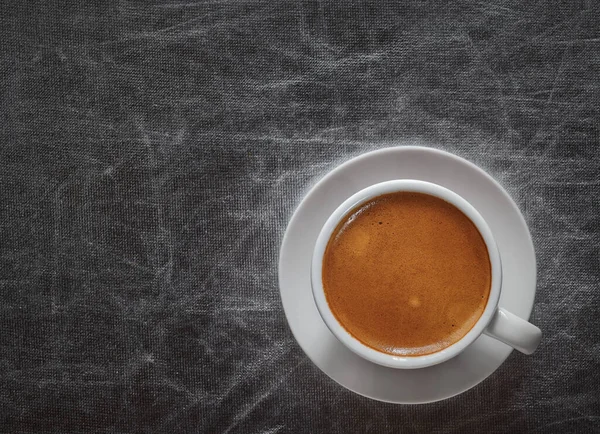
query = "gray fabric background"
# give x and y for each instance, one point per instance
(152, 153)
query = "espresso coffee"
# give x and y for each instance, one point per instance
(407, 274)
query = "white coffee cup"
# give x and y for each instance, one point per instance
(495, 321)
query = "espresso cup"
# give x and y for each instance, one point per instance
(495, 321)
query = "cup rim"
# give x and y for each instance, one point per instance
(389, 360)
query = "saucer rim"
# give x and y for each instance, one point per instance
(374, 154)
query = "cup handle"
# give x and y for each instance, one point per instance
(514, 331)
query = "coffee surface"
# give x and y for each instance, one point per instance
(407, 274)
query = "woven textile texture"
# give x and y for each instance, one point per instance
(152, 153)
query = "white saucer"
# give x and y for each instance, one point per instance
(416, 386)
